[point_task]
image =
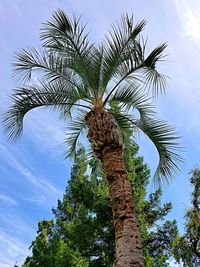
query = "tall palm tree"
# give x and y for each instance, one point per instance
(82, 81)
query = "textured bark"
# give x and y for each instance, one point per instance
(103, 132)
(107, 145)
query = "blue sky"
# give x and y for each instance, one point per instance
(33, 172)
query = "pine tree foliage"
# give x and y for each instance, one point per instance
(187, 246)
(82, 233)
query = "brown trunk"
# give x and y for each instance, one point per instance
(108, 147)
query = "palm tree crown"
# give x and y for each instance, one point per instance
(76, 76)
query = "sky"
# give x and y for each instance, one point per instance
(33, 172)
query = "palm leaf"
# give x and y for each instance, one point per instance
(96, 71)
(67, 37)
(77, 98)
(130, 96)
(142, 70)
(121, 46)
(164, 138)
(75, 129)
(152, 76)
(27, 98)
(69, 32)
(50, 65)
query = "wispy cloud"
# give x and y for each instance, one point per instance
(183, 64)
(5, 199)
(17, 230)
(11, 250)
(16, 224)
(45, 130)
(190, 19)
(38, 182)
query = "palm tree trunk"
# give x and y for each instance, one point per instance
(108, 147)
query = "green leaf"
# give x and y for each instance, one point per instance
(68, 39)
(75, 129)
(164, 138)
(51, 66)
(54, 95)
(151, 75)
(121, 47)
(130, 96)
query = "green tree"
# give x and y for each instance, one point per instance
(81, 80)
(50, 250)
(83, 220)
(187, 246)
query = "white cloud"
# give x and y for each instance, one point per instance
(190, 20)
(181, 106)
(38, 182)
(45, 130)
(12, 223)
(11, 250)
(8, 200)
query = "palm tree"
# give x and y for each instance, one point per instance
(82, 81)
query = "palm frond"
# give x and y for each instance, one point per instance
(130, 96)
(27, 98)
(164, 138)
(64, 34)
(134, 57)
(75, 129)
(142, 70)
(76, 98)
(96, 71)
(155, 56)
(68, 38)
(155, 79)
(59, 22)
(121, 46)
(152, 76)
(51, 67)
